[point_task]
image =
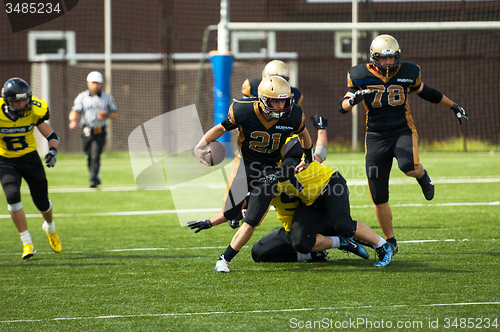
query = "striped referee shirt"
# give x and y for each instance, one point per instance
(88, 106)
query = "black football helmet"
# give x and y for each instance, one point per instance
(17, 89)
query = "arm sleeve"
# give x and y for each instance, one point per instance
(227, 124)
(430, 94)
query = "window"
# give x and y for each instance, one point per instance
(50, 45)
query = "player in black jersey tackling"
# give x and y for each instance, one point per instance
(264, 124)
(383, 86)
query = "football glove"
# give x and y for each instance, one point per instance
(359, 96)
(459, 113)
(235, 223)
(51, 157)
(319, 121)
(199, 225)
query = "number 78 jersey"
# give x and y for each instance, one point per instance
(16, 137)
(387, 108)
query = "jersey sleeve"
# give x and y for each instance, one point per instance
(112, 104)
(78, 103)
(229, 123)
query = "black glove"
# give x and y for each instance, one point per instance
(359, 96)
(199, 225)
(459, 113)
(51, 157)
(319, 121)
(235, 223)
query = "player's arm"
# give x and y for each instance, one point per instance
(352, 98)
(210, 136)
(320, 122)
(306, 142)
(432, 95)
(47, 131)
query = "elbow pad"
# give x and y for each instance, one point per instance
(341, 109)
(52, 136)
(430, 94)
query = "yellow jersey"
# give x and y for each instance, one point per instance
(16, 137)
(287, 198)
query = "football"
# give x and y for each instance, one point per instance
(216, 153)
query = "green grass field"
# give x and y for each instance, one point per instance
(127, 265)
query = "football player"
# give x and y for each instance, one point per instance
(323, 205)
(21, 112)
(264, 124)
(273, 68)
(384, 86)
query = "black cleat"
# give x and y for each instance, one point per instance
(427, 186)
(320, 256)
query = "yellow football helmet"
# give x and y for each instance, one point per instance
(276, 68)
(275, 88)
(385, 45)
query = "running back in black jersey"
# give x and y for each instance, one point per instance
(387, 109)
(260, 141)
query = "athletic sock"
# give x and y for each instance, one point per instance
(25, 237)
(392, 240)
(380, 243)
(336, 242)
(303, 257)
(229, 253)
(49, 227)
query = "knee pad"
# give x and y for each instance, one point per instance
(256, 255)
(304, 243)
(43, 206)
(346, 227)
(15, 207)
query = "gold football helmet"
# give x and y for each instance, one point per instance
(385, 45)
(276, 68)
(275, 88)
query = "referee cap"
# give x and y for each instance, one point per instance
(95, 76)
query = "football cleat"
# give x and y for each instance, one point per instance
(28, 251)
(320, 256)
(427, 186)
(394, 244)
(385, 254)
(55, 242)
(221, 265)
(349, 245)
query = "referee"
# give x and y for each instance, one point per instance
(93, 107)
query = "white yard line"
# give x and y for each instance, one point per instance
(248, 311)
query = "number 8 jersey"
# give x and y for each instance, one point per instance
(387, 108)
(16, 135)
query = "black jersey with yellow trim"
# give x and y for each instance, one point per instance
(387, 108)
(262, 141)
(250, 88)
(16, 135)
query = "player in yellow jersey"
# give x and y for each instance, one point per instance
(326, 191)
(20, 114)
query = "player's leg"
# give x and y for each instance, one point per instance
(96, 148)
(406, 153)
(11, 184)
(379, 158)
(34, 174)
(336, 201)
(274, 247)
(259, 201)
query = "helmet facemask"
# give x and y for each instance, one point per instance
(277, 113)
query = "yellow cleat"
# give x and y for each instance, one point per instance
(55, 242)
(28, 251)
